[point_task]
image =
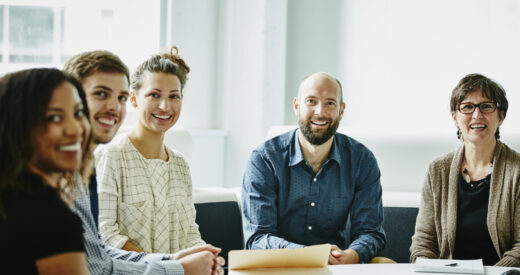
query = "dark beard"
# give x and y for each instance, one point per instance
(313, 139)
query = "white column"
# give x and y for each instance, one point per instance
(255, 78)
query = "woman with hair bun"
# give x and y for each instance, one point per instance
(145, 186)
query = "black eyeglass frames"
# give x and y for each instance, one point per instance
(485, 107)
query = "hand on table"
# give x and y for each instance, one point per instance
(202, 259)
(338, 256)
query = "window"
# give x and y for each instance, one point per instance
(30, 34)
(37, 33)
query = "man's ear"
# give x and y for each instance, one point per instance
(133, 99)
(341, 110)
(296, 105)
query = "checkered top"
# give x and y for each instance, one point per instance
(103, 259)
(146, 201)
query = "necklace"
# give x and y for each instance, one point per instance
(477, 184)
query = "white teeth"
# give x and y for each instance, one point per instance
(107, 121)
(162, 117)
(71, 148)
(477, 126)
(319, 123)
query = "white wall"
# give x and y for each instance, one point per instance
(255, 78)
(125, 27)
(401, 59)
(194, 30)
(313, 30)
(398, 62)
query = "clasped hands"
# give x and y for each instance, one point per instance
(201, 259)
(338, 256)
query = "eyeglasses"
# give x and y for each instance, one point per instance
(485, 107)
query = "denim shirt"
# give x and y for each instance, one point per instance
(286, 205)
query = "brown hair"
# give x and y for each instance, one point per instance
(168, 63)
(85, 64)
(490, 88)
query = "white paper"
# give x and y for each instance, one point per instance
(449, 266)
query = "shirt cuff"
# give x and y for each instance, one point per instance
(173, 267)
(156, 257)
(363, 253)
(294, 246)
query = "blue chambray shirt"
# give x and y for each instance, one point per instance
(286, 205)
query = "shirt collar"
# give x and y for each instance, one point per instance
(296, 155)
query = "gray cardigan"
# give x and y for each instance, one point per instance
(437, 219)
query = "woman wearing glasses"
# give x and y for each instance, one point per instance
(470, 205)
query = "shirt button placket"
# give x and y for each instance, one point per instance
(312, 204)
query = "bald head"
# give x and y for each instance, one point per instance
(321, 81)
(319, 108)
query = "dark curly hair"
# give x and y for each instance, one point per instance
(24, 96)
(168, 63)
(490, 88)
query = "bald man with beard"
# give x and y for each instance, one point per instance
(300, 188)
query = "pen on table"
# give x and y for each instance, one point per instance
(452, 264)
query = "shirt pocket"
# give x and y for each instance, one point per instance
(133, 218)
(337, 213)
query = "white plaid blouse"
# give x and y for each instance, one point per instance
(103, 259)
(146, 201)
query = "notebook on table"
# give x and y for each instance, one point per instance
(449, 266)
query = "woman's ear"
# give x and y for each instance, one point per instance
(133, 99)
(501, 117)
(454, 116)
